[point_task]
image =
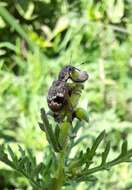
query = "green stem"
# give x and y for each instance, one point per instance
(107, 165)
(60, 171)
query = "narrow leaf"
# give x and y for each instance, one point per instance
(21, 151)
(105, 153)
(97, 142)
(90, 178)
(41, 126)
(4, 157)
(12, 154)
(38, 169)
(76, 128)
(32, 158)
(21, 163)
(49, 131)
(57, 132)
(95, 146)
(124, 148)
(81, 114)
(28, 166)
(80, 139)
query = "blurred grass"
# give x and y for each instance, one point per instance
(36, 42)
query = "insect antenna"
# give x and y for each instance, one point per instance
(71, 59)
(83, 63)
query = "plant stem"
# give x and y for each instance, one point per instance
(60, 171)
(106, 166)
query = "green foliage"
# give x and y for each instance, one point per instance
(74, 170)
(37, 38)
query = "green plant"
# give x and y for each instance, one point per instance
(59, 169)
(36, 40)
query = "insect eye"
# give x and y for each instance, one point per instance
(70, 69)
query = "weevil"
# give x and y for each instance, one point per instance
(60, 91)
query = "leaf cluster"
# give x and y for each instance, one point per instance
(38, 174)
(80, 168)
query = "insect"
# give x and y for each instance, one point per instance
(59, 92)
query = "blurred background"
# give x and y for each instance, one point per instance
(37, 39)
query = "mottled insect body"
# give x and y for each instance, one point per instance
(59, 93)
